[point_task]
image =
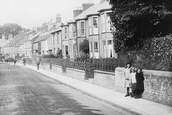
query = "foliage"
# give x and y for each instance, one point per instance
(59, 53)
(8, 29)
(84, 46)
(155, 55)
(49, 56)
(138, 20)
(83, 57)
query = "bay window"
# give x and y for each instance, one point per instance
(108, 23)
(95, 25)
(90, 27)
(102, 23)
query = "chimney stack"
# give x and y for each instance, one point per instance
(76, 12)
(101, 1)
(58, 18)
(86, 6)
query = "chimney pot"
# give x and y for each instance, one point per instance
(101, 1)
(86, 6)
(77, 12)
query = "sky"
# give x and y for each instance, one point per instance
(33, 13)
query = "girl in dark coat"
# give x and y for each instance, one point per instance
(139, 83)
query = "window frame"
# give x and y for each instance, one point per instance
(96, 47)
(82, 29)
(102, 16)
(90, 25)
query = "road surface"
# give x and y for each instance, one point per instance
(26, 92)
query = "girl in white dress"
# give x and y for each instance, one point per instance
(132, 80)
(126, 75)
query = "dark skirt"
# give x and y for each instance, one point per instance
(133, 86)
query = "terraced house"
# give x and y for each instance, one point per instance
(93, 24)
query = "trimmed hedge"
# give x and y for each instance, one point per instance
(155, 55)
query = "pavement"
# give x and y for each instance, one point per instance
(140, 106)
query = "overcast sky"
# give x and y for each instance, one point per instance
(31, 13)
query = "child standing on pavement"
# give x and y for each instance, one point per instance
(126, 75)
(132, 79)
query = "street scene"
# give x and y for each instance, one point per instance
(26, 92)
(85, 57)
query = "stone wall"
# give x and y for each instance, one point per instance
(57, 69)
(46, 66)
(75, 73)
(104, 79)
(158, 85)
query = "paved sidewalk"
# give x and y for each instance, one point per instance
(140, 106)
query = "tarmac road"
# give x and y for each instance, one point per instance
(26, 92)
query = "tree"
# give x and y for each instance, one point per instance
(84, 46)
(9, 28)
(138, 20)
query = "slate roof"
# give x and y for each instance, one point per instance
(15, 40)
(105, 6)
(22, 40)
(93, 10)
(34, 36)
(88, 11)
(56, 30)
(42, 37)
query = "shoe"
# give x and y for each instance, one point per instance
(127, 95)
(131, 95)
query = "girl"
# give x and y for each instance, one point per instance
(140, 83)
(132, 79)
(126, 75)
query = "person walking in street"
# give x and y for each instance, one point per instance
(37, 63)
(132, 80)
(15, 62)
(24, 61)
(126, 75)
(140, 83)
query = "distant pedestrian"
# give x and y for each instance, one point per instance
(140, 83)
(126, 75)
(37, 63)
(132, 79)
(15, 62)
(24, 61)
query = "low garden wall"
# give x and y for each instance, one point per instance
(56, 69)
(76, 73)
(104, 79)
(158, 84)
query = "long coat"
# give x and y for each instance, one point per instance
(126, 77)
(140, 81)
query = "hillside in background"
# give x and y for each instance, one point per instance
(10, 29)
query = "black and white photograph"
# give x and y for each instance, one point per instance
(85, 57)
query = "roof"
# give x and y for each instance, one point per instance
(37, 34)
(56, 30)
(71, 21)
(93, 10)
(15, 40)
(4, 42)
(105, 6)
(88, 11)
(22, 40)
(42, 38)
